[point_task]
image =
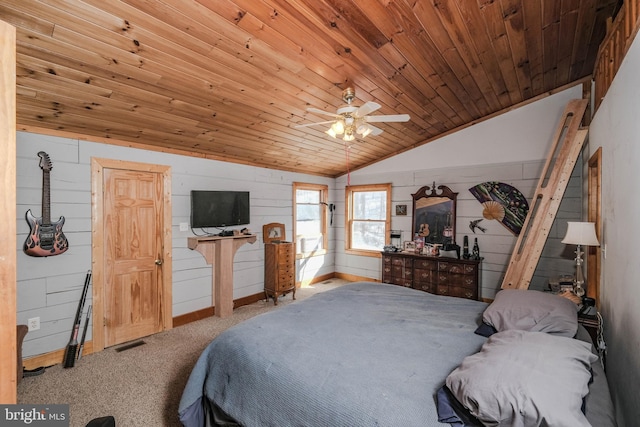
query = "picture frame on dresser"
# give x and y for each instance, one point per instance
(409, 246)
(273, 232)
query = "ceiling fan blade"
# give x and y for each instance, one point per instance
(367, 108)
(313, 124)
(375, 131)
(389, 118)
(318, 111)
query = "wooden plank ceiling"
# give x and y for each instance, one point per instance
(230, 79)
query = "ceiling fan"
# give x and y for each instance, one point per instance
(350, 120)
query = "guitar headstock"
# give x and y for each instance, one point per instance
(45, 161)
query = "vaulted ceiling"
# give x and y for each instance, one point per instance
(231, 79)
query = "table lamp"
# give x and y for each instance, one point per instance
(580, 233)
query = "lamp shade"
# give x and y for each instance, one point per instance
(581, 233)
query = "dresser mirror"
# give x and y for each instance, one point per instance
(434, 214)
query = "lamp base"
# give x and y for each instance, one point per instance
(578, 283)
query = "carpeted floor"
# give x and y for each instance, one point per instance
(140, 386)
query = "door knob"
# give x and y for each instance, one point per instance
(158, 262)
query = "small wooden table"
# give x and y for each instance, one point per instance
(219, 252)
(592, 325)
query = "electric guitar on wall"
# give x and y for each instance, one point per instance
(45, 238)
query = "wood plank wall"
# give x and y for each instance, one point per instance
(496, 244)
(50, 288)
(8, 379)
(620, 35)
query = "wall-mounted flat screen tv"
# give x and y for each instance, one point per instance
(219, 208)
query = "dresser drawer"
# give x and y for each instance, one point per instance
(452, 267)
(443, 276)
(421, 275)
(462, 280)
(402, 262)
(425, 264)
(457, 291)
(424, 286)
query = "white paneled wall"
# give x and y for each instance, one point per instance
(497, 243)
(50, 288)
(616, 129)
(510, 148)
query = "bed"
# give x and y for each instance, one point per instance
(368, 354)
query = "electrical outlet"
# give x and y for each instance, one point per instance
(34, 323)
(184, 226)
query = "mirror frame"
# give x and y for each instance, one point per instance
(436, 208)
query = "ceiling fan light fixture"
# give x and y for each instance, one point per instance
(351, 120)
(338, 127)
(348, 120)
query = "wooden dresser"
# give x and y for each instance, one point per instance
(437, 275)
(279, 270)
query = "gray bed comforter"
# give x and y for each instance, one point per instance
(364, 354)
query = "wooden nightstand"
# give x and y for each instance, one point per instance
(591, 324)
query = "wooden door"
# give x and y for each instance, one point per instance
(131, 250)
(594, 214)
(8, 244)
(133, 260)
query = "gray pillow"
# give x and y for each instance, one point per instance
(524, 378)
(535, 311)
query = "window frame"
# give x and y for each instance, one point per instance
(324, 195)
(348, 215)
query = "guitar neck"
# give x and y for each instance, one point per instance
(46, 198)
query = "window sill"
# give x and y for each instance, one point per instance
(363, 252)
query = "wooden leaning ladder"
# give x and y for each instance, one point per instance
(567, 145)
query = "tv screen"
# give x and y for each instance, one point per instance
(219, 208)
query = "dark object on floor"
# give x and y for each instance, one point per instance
(128, 346)
(71, 351)
(107, 421)
(33, 372)
(21, 332)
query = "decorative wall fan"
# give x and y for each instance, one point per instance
(350, 120)
(503, 203)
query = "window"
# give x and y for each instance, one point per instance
(368, 218)
(310, 218)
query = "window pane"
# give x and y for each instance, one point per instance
(370, 205)
(308, 196)
(310, 225)
(367, 235)
(308, 216)
(307, 212)
(368, 217)
(305, 228)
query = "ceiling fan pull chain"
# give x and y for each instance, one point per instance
(346, 153)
